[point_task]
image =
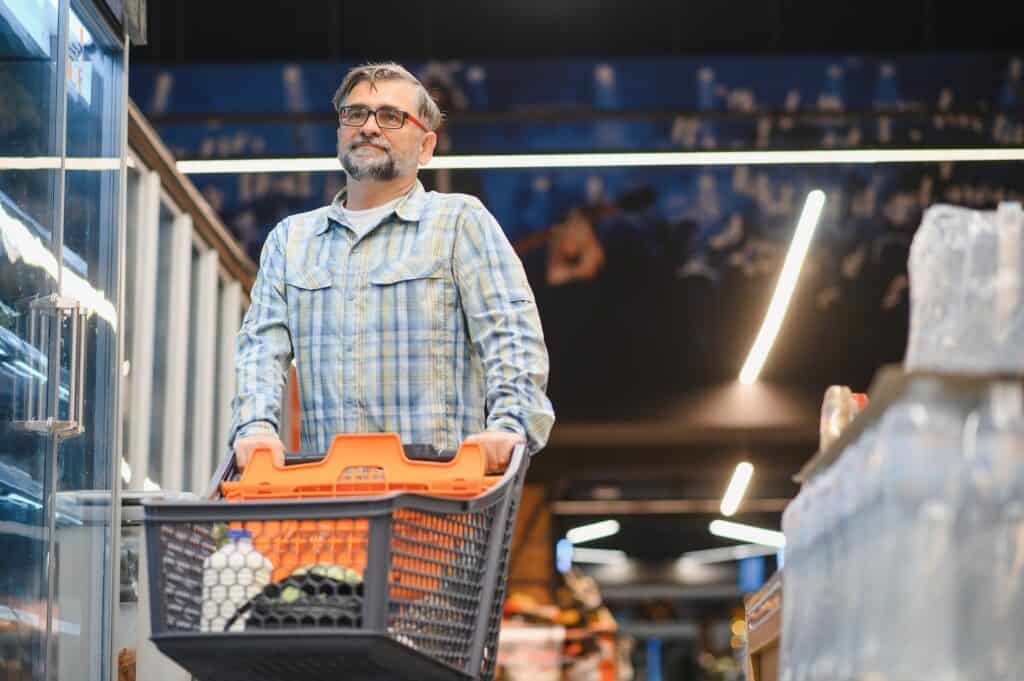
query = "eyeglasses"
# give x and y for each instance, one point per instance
(387, 117)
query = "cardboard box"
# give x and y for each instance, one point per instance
(764, 628)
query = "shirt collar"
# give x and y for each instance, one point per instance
(410, 210)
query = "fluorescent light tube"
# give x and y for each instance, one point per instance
(728, 553)
(747, 533)
(620, 160)
(598, 556)
(737, 487)
(784, 288)
(585, 533)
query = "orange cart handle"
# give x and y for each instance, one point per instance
(382, 451)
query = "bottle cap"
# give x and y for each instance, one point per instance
(239, 534)
(835, 414)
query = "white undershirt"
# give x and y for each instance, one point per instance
(362, 221)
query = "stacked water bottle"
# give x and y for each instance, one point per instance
(904, 558)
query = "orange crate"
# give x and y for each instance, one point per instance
(363, 465)
(360, 465)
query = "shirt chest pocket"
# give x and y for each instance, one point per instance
(311, 296)
(417, 292)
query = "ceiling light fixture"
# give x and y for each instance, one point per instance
(784, 288)
(618, 160)
(737, 487)
(747, 533)
(599, 556)
(585, 533)
(728, 553)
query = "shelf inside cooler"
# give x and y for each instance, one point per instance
(305, 655)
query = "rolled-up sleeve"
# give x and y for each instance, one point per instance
(504, 327)
(264, 348)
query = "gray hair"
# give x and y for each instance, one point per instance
(428, 109)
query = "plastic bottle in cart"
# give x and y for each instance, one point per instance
(232, 575)
(923, 434)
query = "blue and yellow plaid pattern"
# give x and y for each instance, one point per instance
(426, 327)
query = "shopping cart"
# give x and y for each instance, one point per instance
(425, 538)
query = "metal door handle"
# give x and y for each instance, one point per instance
(38, 408)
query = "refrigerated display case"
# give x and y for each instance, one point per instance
(62, 74)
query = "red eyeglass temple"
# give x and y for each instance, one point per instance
(417, 122)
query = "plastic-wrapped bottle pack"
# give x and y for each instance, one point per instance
(966, 296)
(904, 558)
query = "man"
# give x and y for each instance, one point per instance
(406, 311)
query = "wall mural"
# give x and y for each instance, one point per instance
(651, 280)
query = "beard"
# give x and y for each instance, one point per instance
(382, 165)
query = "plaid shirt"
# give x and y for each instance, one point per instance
(426, 327)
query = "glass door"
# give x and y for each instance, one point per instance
(31, 140)
(91, 247)
(61, 142)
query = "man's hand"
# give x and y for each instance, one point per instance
(497, 446)
(245, 446)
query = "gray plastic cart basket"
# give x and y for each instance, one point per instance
(399, 623)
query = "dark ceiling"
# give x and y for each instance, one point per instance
(202, 31)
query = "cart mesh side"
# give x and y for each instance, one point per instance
(183, 547)
(437, 569)
(490, 654)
